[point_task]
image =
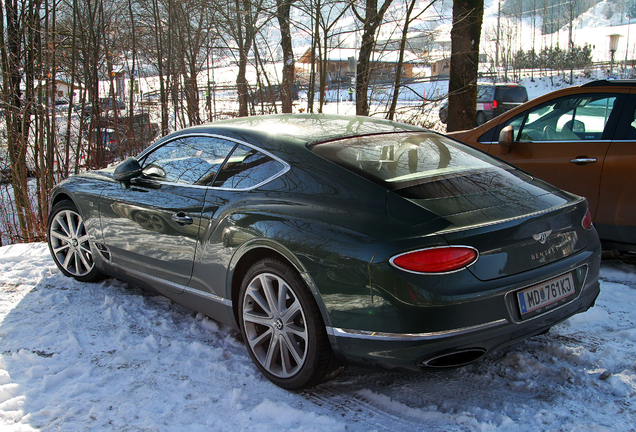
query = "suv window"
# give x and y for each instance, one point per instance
(570, 118)
(485, 93)
(516, 94)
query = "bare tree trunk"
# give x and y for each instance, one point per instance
(315, 43)
(283, 9)
(323, 62)
(49, 181)
(398, 72)
(132, 144)
(263, 94)
(159, 41)
(462, 88)
(71, 95)
(111, 82)
(245, 38)
(10, 50)
(371, 22)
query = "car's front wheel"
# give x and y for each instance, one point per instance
(69, 243)
(282, 326)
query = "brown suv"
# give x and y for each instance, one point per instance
(581, 139)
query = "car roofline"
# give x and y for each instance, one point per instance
(610, 83)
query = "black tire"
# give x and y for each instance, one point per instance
(481, 118)
(69, 243)
(289, 347)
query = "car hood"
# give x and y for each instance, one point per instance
(514, 228)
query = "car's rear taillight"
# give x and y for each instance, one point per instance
(494, 104)
(587, 221)
(445, 259)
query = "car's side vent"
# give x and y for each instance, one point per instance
(103, 251)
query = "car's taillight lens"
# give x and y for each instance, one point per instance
(494, 104)
(436, 260)
(587, 221)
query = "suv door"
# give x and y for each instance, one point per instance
(616, 214)
(564, 141)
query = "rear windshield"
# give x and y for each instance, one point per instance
(512, 94)
(415, 165)
(485, 93)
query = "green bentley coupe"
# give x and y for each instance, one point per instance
(332, 240)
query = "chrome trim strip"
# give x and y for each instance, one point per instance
(209, 296)
(176, 286)
(407, 337)
(286, 166)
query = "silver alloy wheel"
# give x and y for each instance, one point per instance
(70, 243)
(275, 325)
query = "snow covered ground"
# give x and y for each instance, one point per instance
(112, 357)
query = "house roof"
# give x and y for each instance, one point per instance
(343, 54)
(61, 81)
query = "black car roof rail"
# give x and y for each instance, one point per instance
(611, 82)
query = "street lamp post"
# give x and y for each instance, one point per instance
(613, 47)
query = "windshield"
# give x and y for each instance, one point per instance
(402, 161)
(512, 94)
(485, 93)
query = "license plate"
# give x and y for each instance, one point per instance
(545, 294)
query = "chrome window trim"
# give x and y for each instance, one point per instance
(556, 142)
(563, 141)
(286, 166)
(407, 337)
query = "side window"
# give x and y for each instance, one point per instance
(247, 167)
(631, 130)
(571, 118)
(187, 160)
(493, 134)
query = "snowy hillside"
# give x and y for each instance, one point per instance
(111, 357)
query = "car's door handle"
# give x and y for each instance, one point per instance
(182, 219)
(583, 160)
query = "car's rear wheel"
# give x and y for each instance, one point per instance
(282, 326)
(481, 118)
(69, 243)
(443, 114)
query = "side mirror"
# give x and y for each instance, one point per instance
(127, 170)
(506, 137)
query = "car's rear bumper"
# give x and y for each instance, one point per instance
(455, 346)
